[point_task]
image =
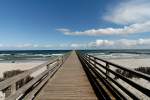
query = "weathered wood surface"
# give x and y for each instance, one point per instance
(4, 84)
(27, 86)
(70, 83)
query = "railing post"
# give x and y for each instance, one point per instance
(47, 66)
(62, 60)
(13, 88)
(107, 72)
(89, 58)
(95, 61)
(58, 61)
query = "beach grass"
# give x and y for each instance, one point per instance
(145, 70)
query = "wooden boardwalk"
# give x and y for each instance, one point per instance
(69, 83)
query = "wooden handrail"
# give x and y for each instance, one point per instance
(28, 85)
(4, 84)
(101, 68)
(140, 74)
(52, 66)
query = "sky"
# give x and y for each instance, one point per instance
(74, 24)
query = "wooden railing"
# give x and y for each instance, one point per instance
(30, 89)
(102, 78)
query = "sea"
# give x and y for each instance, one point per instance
(42, 55)
(13, 56)
(120, 54)
(122, 57)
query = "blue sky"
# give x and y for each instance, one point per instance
(74, 24)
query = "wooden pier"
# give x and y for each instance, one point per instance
(74, 76)
(69, 83)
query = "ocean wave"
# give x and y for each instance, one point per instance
(57, 54)
(118, 55)
(3, 54)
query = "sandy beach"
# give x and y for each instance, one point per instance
(18, 66)
(130, 63)
(134, 63)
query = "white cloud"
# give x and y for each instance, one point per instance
(144, 41)
(78, 45)
(63, 30)
(99, 43)
(133, 14)
(121, 43)
(131, 29)
(138, 42)
(63, 45)
(104, 43)
(47, 46)
(129, 12)
(25, 46)
(28, 45)
(127, 43)
(75, 45)
(35, 45)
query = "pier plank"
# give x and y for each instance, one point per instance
(69, 83)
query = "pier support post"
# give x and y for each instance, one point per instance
(62, 60)
(95, 62)
(57, 62)
(13, 88)
(107, 72)
(89, 58)
(47, 66)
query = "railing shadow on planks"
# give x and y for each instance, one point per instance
(102, 78)
(29, 90)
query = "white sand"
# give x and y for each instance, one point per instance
(134, 63)
(21, 66)
(14, 66)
